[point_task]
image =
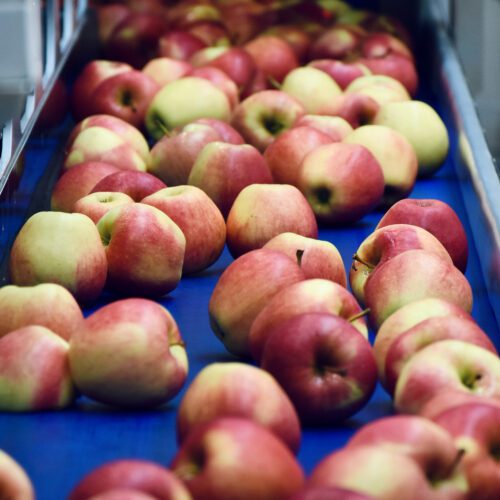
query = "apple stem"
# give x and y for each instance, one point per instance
(274, 83)
(299, 255)
(458, 458)
(163, 128)
(357, 258)
(361, 314)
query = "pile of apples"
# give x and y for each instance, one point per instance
(247, 123)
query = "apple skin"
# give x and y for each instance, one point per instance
(122, 494)
(424, 333)
(140, 476)
(394, 154)
(447, 365)
(438, 218)
(15, 482)
(384, 244)
(77, 182)
(357, 108)
(343, 73)
(232, 309)
(338, 42)
(179, 44)
(34, 371)
(228, 133)
(261, 117)
(258, 83)
(284, 156)
(164, 70)
(214, 34)
(96, 205)
(198, 218)
(381, 88)
(328, 493)
(223, 170)
(423, 128)
(183, 101)
(262, 211)
(342, 182)
(109, 17)
(334, 126)
(296, 37)
(238, 390)
(320, 259)
(241, 460)
(129, 354)
(414, 275)
(144, 249)
(56, 247)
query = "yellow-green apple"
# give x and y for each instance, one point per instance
(200, 221)
(274, 56)
(295, 36)
(338, 42)
(126, 96)
(324, 365)
(438, 218)
(238, 390)
(414, 275)
(328, 493)
(342, 182)
(475, 428)
(264, 115)
(425, 442)
(262, 211)
(164, 70)
(136, 185)
(318, 258)
(179, 44)
(223, 170)
(423, 128)
(94, 73)
(15, 482)
(443, 366)
(34, 370)
(313, 88)
(383, 89)
(131, 474)
(394, 154)
(97, 204)
(356, 109)
(406, 318)
(235, 458)
(173, 156)
(220, 79)
(144, 249)
(56, 247)
(129, 353)
(384, 244)
(371, 470)
(227, 132)
(342, 72)
(284, 156)
(77, 182)
(336, 127)
(183, 101)
(103, 145)
(193, 12)
(47, 304)
(233, 308)
(128, 132)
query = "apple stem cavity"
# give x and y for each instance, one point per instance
(274, 83)
(357, 258)
(299, 255)
(361, 314)
(323, 195)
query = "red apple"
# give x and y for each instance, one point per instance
(334, 126)
(96, 205)
(328, 493)
(109, 17)
(226, 131)
(298, 39)
(356, 108)
(338, 42)
(342, 72)
(15, 482)
(179, 44)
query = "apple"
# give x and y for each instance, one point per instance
(129, 354)
(336, 127)
(233, 307)
(34, 371)
(384, 244)
(77, 183)
(223, 170)
(56, 247)
(298, 39)
(425, 333)
(383, 89)
(211, 33)
(188, 13)
(122, 494)
(183, 101)
(15, 482)
(47, 304)
(238, 390)
(438, 218)
(131, 474)
(262, 211)
(414, 275)
(95, 205)
(313, 88)
(423, 128)
(394, 154)
(164, 70)
(318, 259)
(103, 145)
(264, 115)
(257, 84)
(179, 44)
(109, 17)
(200, 221)
(144, 249)
(234, 458)
(342, 72)
(304, 297)
(227, 132)
(356, 108)
(339, 42)
(220, 79)
(328, 493)
(447, 365)
(342, 182)
(323, 364)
